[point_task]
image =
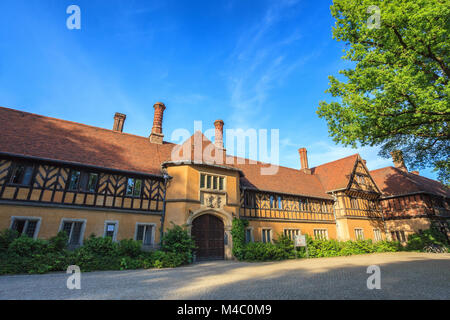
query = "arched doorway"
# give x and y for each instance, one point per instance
(208, 233)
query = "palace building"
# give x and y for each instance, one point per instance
(60, 175)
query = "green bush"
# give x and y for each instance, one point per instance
(177, 241)
(432, 236)
(130, 248)
(27, 255)
(7, 236)
(238, 235)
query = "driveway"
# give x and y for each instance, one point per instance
(403, 276)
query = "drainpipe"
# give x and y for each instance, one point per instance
(334, 214)
(163, 216)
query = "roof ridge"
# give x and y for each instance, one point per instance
(326, 163)
(77, 123)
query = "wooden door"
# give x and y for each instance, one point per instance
(208, 233)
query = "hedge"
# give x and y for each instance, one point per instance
(26, 255)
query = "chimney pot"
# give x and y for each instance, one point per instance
(397, 158)
(218, 139)
(304, 160)
(157, 136)
(119, 121)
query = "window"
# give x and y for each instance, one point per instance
(74, 230)
(272, 202)
(83, 181)
(359, 234)
(354, 203)
(21, 174)
(248, 235)
(280, 203)
(361, 179)
(399, 236)
(26, 226)
(144, 233)
(111, 228)
(291, 233)
(212, 182)
(134, 187)
(321, 234)
(266, 235)
(377, 235)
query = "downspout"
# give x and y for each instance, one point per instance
(163, 216)
(334, 214)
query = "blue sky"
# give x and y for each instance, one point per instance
(255, 64)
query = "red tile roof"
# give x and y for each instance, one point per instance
(393, 181)
(33, 135)
(335, 175)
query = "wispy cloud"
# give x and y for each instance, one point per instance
(260, 63)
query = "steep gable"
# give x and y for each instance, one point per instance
(336, 175)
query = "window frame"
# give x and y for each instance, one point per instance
(133, 195)
(82, 231)
(356, 233)
(152, 236)
(320, 231)
(219, 180)
(116, 228)
(292, 231)
(27, 219)
(252, 239)
(13, 170)
(83, 175)
(377, 234)
(269, 230)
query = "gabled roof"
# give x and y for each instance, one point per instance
(28, 134)
(336, 175)
(394, 182)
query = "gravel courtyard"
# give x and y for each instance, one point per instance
(403, 276)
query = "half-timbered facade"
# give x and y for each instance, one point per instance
(58, 175)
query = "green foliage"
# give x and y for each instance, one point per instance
(432, 236)
(397, 93)
(238, 235)
(27, 255)
(130, 248)
(283, 248)
(178, 241)
(7, 236)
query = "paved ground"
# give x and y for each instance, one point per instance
(403, 276)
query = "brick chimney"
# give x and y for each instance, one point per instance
(304, 160)
(218, 139)
(119, 121)
(157, 136)
(397, 158)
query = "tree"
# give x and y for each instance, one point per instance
(397, 94)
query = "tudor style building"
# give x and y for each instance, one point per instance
(60, 175)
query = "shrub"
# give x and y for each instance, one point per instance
(59, 242)
(130, 248)
(238, 235)
(7, 236)
(100, 246)
(432, 236)
(178, 241)
(164, 259)
(25, 246)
